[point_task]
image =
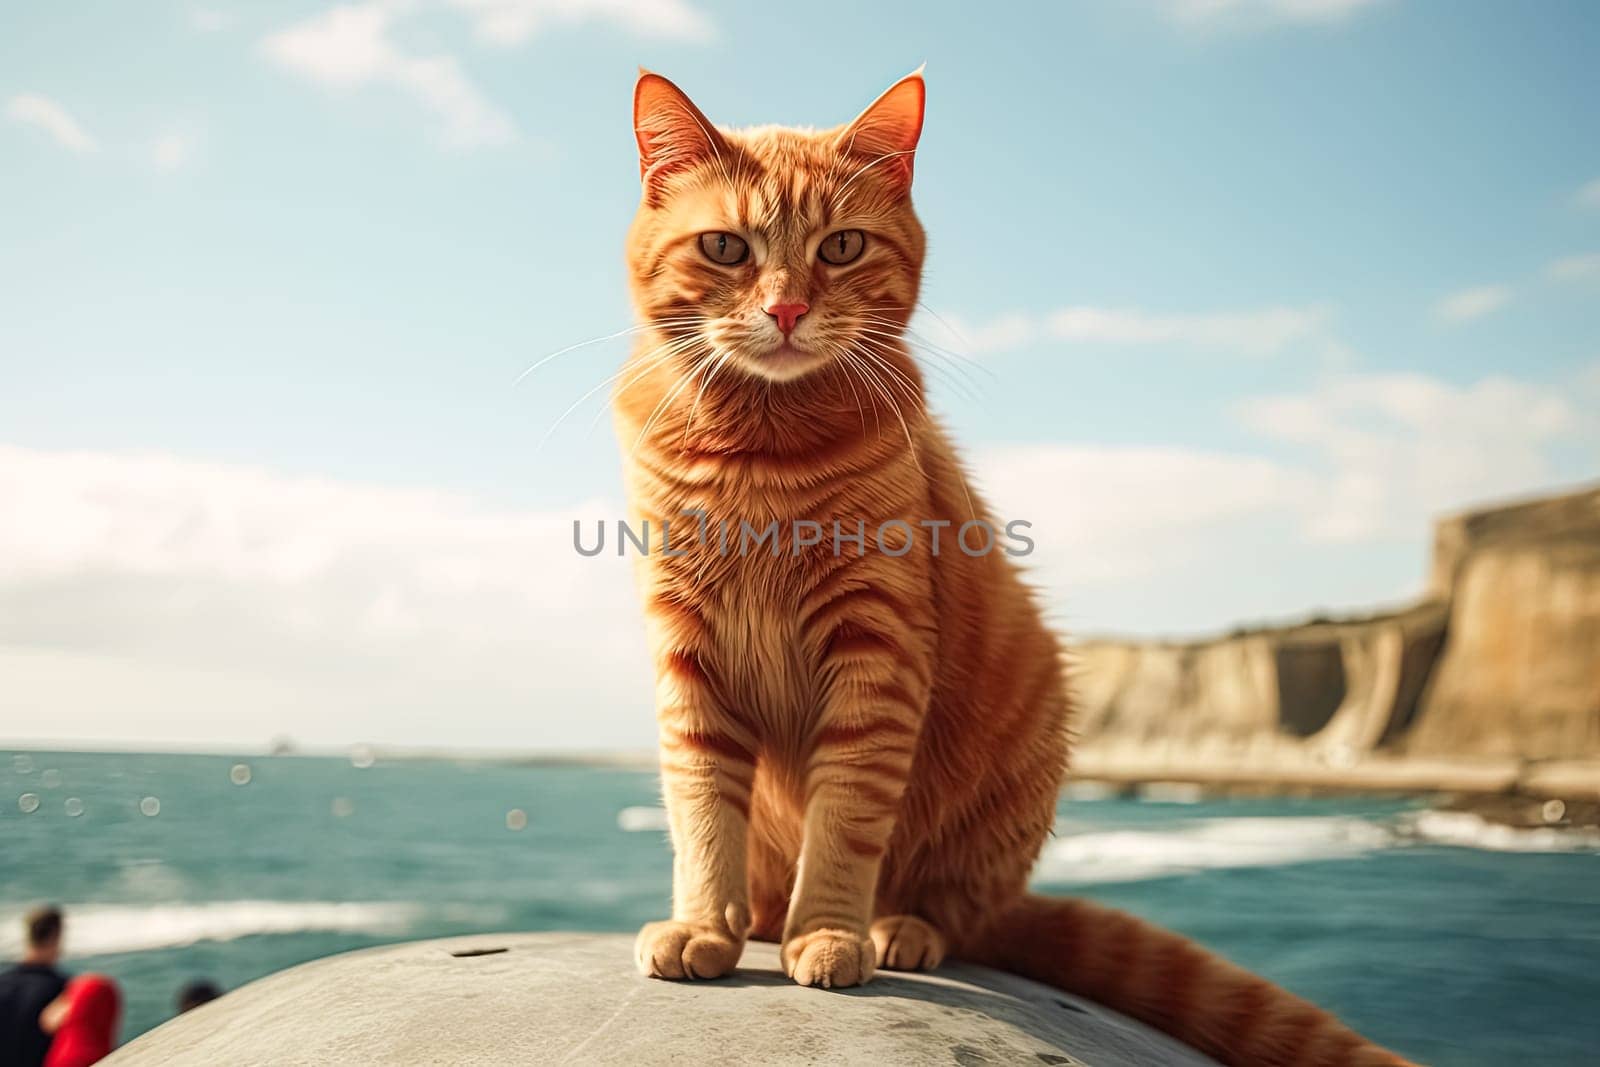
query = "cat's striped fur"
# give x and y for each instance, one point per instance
(860, 753)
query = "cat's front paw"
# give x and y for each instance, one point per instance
(829, 958)
(907, 943)
(674, 949)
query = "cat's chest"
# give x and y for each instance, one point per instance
(758, 658)
(752, 607)
(750, 555)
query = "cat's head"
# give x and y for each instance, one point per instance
(776, 250)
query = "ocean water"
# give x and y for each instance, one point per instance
(1451, 940)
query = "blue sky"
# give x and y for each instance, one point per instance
(1253, 288)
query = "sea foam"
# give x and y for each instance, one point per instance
(639, 819)
(106, 929)
(1132, 855)
(1465, 829)
(1206, 844)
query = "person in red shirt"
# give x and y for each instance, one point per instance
(84, 1020)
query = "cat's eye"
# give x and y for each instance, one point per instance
(728, 249)
(842, 247)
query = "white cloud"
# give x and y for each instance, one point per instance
(355, 45)
(351, 46)
(1261, 332)
(1588, 196)
(1105, 514)
(1181, 534)
(1173, 540)
(154, 599)
(512, 22)
(49, 116)
(1391, 451)
(1574, 268)
(1251, 332)
(1212, 12)
(1468, 304)
(173, 150)
(1011, 330)
(344, 611)
(344, 46)
(165, 601)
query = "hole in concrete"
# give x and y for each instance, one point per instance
(467, 953)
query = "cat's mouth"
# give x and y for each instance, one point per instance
(785, 361)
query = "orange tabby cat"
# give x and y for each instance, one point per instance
(863, 726)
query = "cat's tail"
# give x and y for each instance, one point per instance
(1169, 982)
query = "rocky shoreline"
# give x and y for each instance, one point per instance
(1489, 684)
(1529, 813)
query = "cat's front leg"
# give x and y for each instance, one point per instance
(706, 776)
(859, 762)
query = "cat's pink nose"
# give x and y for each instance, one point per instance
(786, 315)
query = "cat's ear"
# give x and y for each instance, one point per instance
(672, 133)
(886, 133)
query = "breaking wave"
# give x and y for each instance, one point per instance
(1218, 844)
(106, 929)
(1464, 829)
(1206, 844)
(638, 819)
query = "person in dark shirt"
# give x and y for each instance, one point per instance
(27, 988)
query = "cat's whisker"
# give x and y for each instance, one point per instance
(912, 389)
(889, 342)
(947, 374)
(881, 349)
(946, 379)
(877, 314)
(644, 372)
(905, 427)
(951, 371)
(866, 379)
(688, 424)
(661, 404)
(839, 350)
(665, 404)
(840, 353)
(942, 321)
(622, 390)
(966, 491)
(627, 386)
(870, 315)
(926, 343)
(655, 358)
(636, 328)
(909, 340)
